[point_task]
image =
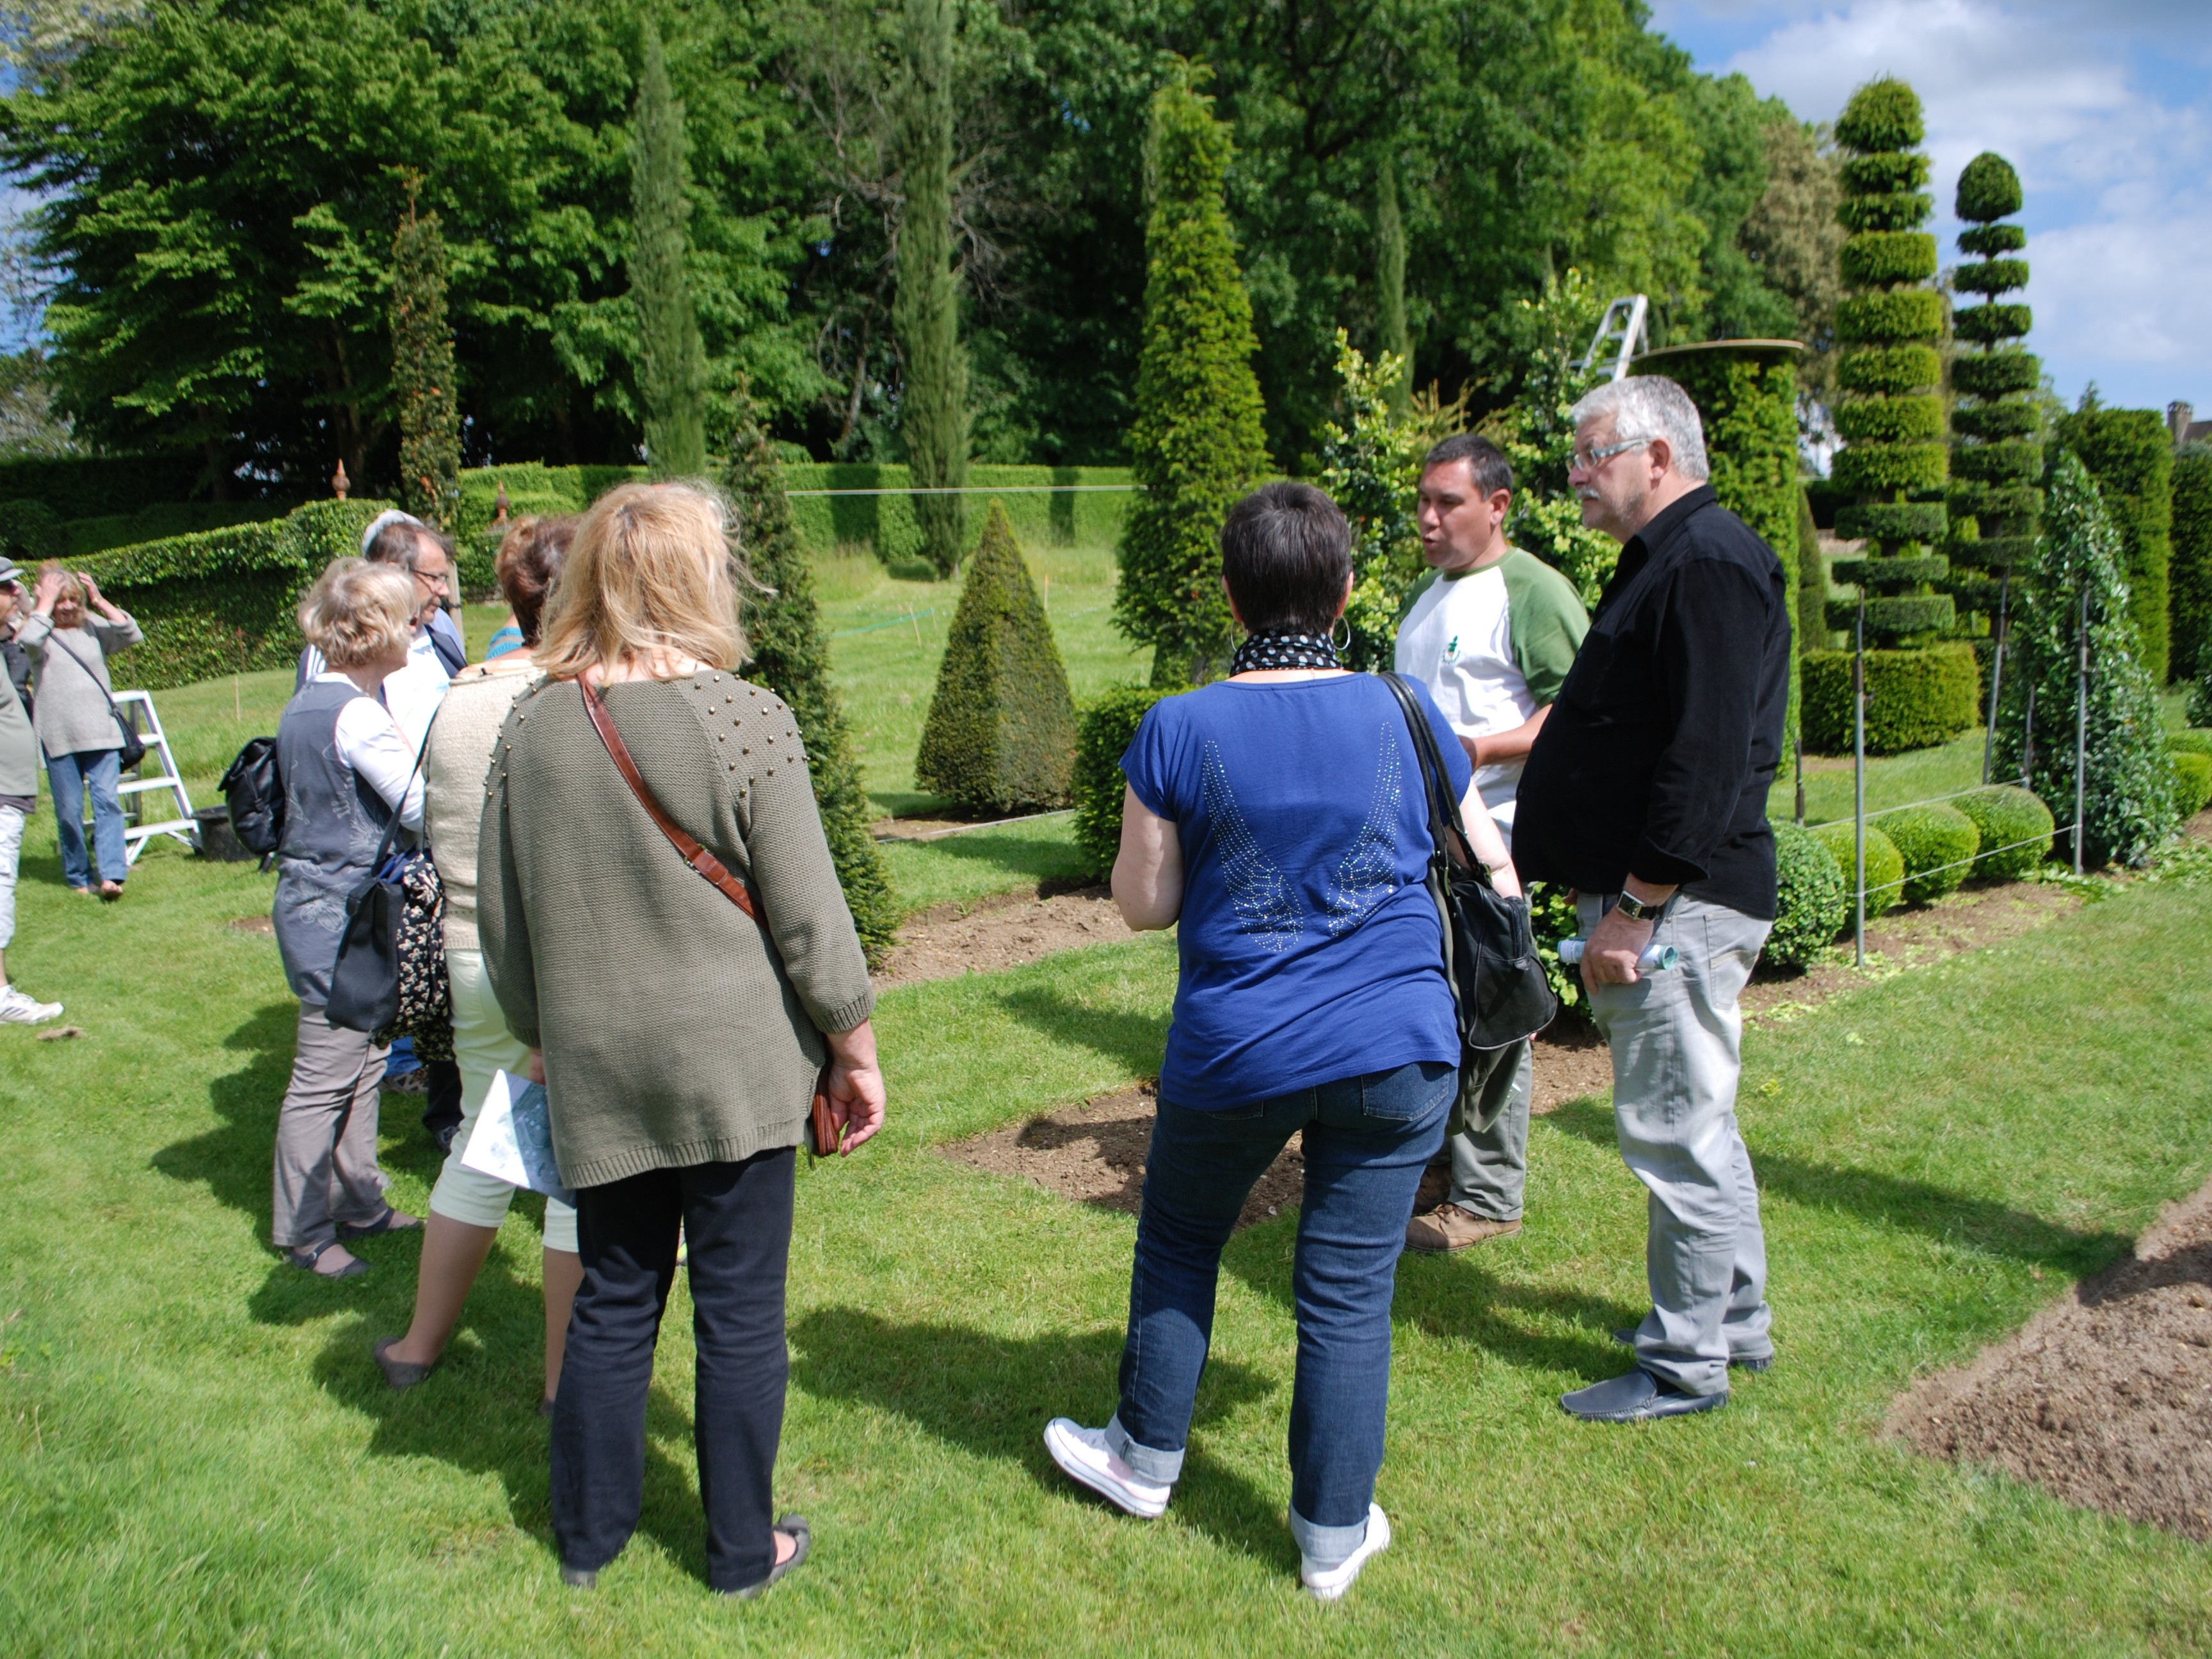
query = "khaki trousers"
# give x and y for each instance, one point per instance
(326, 1171)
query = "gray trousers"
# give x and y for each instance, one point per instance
(1676, 1038)
(1489, 1167)
(326, 1171)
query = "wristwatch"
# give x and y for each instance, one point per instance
(1636, 909)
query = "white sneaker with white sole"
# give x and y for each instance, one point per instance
(17, 1009)
(1082, 1456)
(1328, 1583)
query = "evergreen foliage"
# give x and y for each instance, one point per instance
(1937, 843)
(1393, 341)
(1001, 733)
(1914, 699)
(1197, 444)
(1885, 867)
(1811, 900)
(2189, 605)
(2016, 830)
(1108, 727)
(672, 368)
(1893, 423)
(791, 658)
(2192, 781)
(2128, 785)
(423, 374)
(933, 416)
(2130, 453)
(1996, 459)
(1812, 596)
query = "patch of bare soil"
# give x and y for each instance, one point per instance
(2105, 1401)
(1003, 931)
(261, 925)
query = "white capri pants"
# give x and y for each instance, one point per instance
(483, 1045)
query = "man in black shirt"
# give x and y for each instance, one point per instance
(1646, 792)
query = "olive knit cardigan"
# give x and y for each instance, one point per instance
(676, 1029)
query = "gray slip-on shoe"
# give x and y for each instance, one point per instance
(1635, 1398)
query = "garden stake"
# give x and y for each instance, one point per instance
(2081, 731)
(1997, 680)
(1858, 782)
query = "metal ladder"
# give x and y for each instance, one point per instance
(1624, 321)
(134, 789)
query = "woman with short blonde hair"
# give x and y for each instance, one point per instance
(680, 1038)
(72, 632)
(346, 769)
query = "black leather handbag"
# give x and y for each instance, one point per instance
(1489, 947)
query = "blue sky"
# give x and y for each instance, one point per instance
(2106, 110)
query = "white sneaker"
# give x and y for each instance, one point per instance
(1329, 1583)
(1082, 1456)
(17, 1009)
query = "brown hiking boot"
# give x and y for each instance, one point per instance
(1448, 1227)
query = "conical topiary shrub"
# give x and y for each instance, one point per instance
(1001, 733)
(1996, 458)
(791, 659)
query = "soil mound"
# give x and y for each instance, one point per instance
(2105, 1400)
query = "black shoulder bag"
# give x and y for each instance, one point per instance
(1490, 948)
(390, 974)
(134, 746)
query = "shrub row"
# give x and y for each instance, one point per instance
(1914, 698)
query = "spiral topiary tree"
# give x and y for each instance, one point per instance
(1894, 462)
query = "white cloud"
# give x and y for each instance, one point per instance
(2120, 225)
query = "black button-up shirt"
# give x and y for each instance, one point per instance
(1656, 759)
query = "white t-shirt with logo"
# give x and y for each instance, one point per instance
(1457, 640)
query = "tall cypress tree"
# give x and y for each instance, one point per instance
(423, 371)
(672, 368)
(1390, 285)
(1197, 444)
(791, 657)
(926, 312)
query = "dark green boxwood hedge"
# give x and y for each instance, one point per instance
(30, 531)
(1890, 420)
(1993, 422)
(1907, 313)
(2130, 453)
(1889, 256)
(2192, 781)
(1885, 867)
(1891, 370)
(87, 486)
(1103, 736)
(2194, 741)
(1914, 698)
(1924, 568)
(2013, 461)
(1989, 324)
(2016, 830)
(1991, 276)
(1885, 173)
(1890, 614)
(1988, 239)
(1937, 843)
(1897, 521)
(1812, 899)
(1877, 469)
(1997, 375)
(2189, 608)
(1904, 210)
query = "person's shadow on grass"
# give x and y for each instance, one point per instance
(1132, 1040)
(993, 1395)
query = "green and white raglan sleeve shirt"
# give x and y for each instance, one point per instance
(1493, 646)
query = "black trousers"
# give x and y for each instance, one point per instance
(441, 1116)
(737, 1229)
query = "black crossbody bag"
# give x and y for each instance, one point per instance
(1497, 979)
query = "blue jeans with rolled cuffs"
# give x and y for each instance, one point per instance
(1367, 1140)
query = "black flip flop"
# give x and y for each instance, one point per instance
(305, 1261)
(802, 1535)
(391, 1221)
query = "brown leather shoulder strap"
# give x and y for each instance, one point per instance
(694, 854)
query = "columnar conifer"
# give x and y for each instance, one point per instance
(1196, 444)
(926, 314)
(423, 371)
(1390, 287)
(791, 657)
(1895, 461)
(671, 370)
(1996, 459)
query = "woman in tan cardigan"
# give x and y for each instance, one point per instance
(680, 1038)
(467, 1208)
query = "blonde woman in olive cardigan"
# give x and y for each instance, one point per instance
(679, 1039)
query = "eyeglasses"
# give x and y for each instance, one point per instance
(1585, 460)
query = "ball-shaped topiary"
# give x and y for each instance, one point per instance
(1885, 865)
(2194, 741)
(2192, 781)
(1989, 189)
(1937, 843)
(1812, 899)
(2016, 827)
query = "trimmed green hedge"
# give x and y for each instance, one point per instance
(1907, 313)
(221, 601)
(1904, 210)
(1891, 370)
(2192, 781)
(85, 537)
(1103, 736)
(1890, 420)
(2189, 607)
(1991, 276)
(1884, 172)
(1988, 323)
(1988, 239)
(1896, 521)
(87, 486)
(29, 532)
(1877, 469)
(1914, 699)
(2130, 453)
(1889, 256)
(2016, 829)
(1992, 422)
(1812, 899)
(1999, 374)
(1885, 867)
(1937, 843)
(1927, 568)
(2012, 461)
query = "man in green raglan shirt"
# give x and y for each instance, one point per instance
(1491, 632)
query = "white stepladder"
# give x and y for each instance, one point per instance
(140, 826)
(1623, 325)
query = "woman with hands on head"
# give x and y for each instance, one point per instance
(74, 716)
(680, 1039)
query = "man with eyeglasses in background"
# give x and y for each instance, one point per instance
(1646, 792)
(19, 785)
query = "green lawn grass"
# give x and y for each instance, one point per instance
(197, 1454)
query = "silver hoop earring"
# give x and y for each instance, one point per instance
(1343, 645)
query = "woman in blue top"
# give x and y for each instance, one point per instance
(1279, 816)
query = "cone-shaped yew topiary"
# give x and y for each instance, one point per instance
(1996, 459)
(791, 657)
(1001, 733)
(423, 377)
(933, 416)
(671, 360)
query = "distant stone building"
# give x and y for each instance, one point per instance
(2187, 429)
